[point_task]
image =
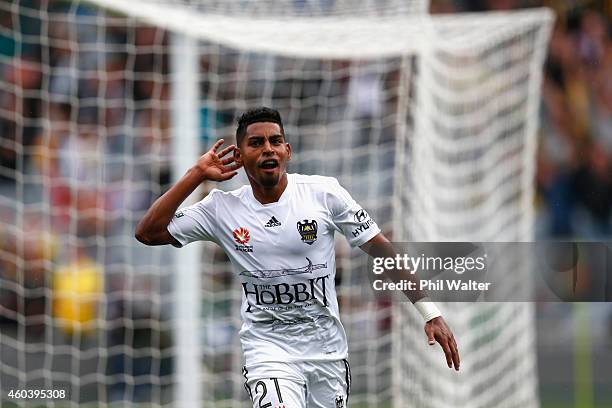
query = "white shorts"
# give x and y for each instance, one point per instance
(320, 384)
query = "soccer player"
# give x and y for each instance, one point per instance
(278, 233)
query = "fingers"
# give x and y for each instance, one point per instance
(447, 341)
(450, 351)
(227, 150)
(233, 167)
(227, 176)
(228, 160)
(217, 145)
(430, 334)
(455, 353)
(447, 353)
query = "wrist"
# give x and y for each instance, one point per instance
(197, 174)
(427, 308)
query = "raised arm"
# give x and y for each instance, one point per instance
(436, 328)
(153, 227)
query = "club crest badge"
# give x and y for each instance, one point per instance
(308, 231)
(339, 401)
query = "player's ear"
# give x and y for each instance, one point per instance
(288, 151)
(237, 156)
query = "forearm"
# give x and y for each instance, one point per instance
(397, 276)
(380, 247)
(159, 215)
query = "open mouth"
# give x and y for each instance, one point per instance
(269, 164)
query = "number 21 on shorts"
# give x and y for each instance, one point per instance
(267, 394)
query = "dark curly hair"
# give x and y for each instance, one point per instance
(256, 115)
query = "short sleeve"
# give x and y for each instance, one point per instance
(196, 222)
(349, 217)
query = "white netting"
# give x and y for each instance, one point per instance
(472, 169)
(429, 123)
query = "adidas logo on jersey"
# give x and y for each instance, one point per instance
(273, 223)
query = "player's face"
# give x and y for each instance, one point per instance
(264, 153)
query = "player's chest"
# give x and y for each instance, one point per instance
(289, 230)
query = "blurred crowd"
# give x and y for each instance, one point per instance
(575, 160)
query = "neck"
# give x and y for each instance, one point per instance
(267, 195)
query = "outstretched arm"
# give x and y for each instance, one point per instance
(436, 328)
(153, 228)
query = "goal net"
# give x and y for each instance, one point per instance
(470, 162)
(429, 121)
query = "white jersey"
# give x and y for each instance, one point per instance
(284, 258)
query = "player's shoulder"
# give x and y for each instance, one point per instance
(216, 195)
(316, 182)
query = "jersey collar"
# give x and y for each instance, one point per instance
(282, 199)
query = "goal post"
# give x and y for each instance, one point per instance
(428, 121)
(187, 282)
